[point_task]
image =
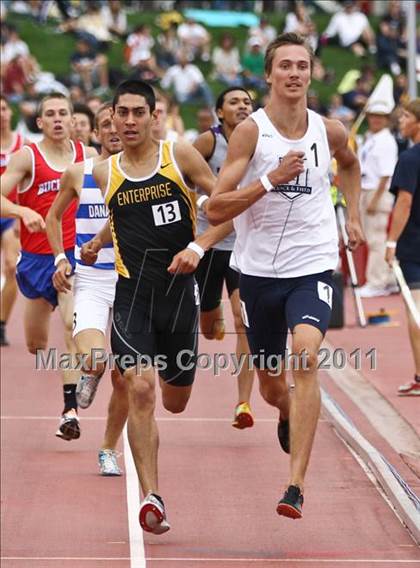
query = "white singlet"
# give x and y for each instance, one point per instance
(292, 230)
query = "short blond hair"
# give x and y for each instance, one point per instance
(40, 108)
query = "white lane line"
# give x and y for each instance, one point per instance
(137, 558)
(360, 561)
(161, 419)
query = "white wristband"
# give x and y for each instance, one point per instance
(391, 244)
(266, 183)
(59, 258)
(201, 200)
(196, 248)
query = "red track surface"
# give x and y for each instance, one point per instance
(220, 485)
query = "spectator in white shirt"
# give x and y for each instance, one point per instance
(378, 156)
(139, 45)
(263, 32)
(352, 29)
(227, 62)
(195, 40)
(187, 81)
(115, 18)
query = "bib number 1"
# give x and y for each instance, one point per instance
(166, 213)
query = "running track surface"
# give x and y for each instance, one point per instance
(220, 486)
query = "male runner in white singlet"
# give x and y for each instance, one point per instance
(286, 240)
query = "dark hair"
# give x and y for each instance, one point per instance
(40, 108)
(221, 98)
(290, 38)
(104, 106)
(81, 108)
(135, 87)
(4, 98)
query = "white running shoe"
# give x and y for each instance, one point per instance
(152, 515)
(108, 465)
(69, 428)
(368, 291)
(86, 390)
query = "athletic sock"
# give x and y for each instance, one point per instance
(69, 397)
(158, 497)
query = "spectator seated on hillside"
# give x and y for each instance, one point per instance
(315, 104)
(338, 111)
(195, 40)
(350, 28)
(115, 18)
(139, 46)
(187, 81)
(356, 98)
(253, 66)
(264, 32)
(391, 40)
(226, 61)
(299, 21)
(168, 45)
(90, 69)
(18, 68)
(90, 26)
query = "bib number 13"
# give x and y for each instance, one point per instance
(166, 213)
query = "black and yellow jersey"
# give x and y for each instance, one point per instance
(151, 218)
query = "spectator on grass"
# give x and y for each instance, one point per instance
(350, 28)
(168, 45)
(264, 32)
(90, 68)
(227, 63)
(338, 111)
(187, 81)
(195, 40)
(253, 66)
(356, 98)
(299, 21)
(91, 26)
(391, 40)
(139, 45)
(18, 68)
(115, 18)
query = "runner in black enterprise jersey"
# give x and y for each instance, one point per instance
(152, 221)
(275, 184)
(233, 105)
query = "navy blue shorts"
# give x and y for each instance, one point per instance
(34, 274)
(411, 271)
(5, 224)
(272, 306)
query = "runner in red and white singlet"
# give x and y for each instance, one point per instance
(9, 142)
(37, 169)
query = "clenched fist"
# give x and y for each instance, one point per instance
(290, 167)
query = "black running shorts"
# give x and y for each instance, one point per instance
(157, 326)
(212, 272)
(272, 306)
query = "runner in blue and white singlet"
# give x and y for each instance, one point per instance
(94, 286)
